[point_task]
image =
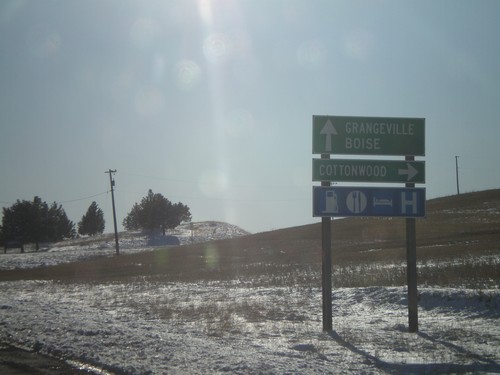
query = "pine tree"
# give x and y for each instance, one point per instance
(35, 222)
(156, 212)
(92, 222)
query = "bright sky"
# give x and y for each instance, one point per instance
(210, 102)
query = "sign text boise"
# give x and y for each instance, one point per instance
(349, 135)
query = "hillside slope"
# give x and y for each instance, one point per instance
(253, 304)
(462, 228)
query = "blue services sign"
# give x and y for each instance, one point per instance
(343, 201)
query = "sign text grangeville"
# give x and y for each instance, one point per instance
(349, 135)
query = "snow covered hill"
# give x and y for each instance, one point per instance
(129, 242)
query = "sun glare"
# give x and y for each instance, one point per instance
(205, 11)
(217, 51)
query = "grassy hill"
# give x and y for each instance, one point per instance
(458, 244)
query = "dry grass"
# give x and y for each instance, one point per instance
(459, 233)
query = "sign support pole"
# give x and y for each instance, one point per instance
(411, 268)
(326, 262)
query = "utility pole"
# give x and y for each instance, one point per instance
(112, 183)
(456, 169)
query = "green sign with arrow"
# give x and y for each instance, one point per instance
(355, 170)
(349, 135)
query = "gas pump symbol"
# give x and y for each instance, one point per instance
(331, 204)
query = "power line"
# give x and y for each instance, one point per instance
(69, 200)
(222, 198)
(84, 198)
(229, 183)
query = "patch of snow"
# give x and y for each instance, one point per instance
(147, 326)
(81, 249)
(198, 328)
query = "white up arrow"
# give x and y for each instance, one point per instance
(410, 171)
(328, 130)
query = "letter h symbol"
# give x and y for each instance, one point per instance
(409, 202)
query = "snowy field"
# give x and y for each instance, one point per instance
(81, 249)
(143, 327)
(150, 326)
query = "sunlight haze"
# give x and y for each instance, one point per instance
(210, 103)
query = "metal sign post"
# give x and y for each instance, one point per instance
(411, 268)
(326, 265)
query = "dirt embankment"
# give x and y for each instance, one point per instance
(16, 361)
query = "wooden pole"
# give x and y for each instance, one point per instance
(112, 183)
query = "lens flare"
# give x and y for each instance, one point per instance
(217, 48)
(211, 255)
(311, 54)
(187, 74)
(358, 44)
(149, 101)
(161, 258)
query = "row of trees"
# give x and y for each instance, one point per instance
(36, 222)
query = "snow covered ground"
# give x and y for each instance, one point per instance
(84, 248)
(148, 326)
(145, 327)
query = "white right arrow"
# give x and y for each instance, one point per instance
(410, 171)
(328, 130)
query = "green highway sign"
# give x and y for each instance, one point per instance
(355, 170)
(352, 135)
